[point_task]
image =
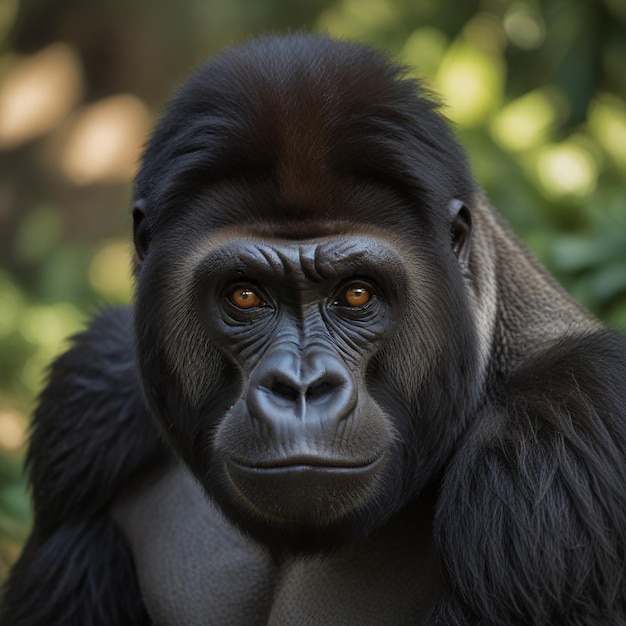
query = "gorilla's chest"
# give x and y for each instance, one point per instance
(194, 569)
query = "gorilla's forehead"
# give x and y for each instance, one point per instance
(309, 260)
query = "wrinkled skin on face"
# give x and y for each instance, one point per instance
(305, 443)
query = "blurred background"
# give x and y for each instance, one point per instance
(535, 88)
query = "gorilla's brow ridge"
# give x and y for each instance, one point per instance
(312, 260)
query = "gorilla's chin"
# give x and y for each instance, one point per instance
(304, 494)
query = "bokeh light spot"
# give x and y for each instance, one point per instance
(109, 270)
(525, 123)
(567, 169)
(524, 26)
(471, 83)
(50, 325)
(37, 93)
(424, 49)
(12, 429)
(105, 142)
(607, 120)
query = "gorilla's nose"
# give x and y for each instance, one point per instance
(286, 386)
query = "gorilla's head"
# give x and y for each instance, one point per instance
(303, 233)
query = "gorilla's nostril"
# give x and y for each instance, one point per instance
(314, 392)
(318, 391)
(284, 391)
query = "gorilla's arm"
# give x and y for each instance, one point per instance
(531, 520)
(91, 432)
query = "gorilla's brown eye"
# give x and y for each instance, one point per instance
(356, 295)
(245, 298)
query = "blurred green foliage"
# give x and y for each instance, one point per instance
(536, 90)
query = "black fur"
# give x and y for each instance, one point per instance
(529, 460)
(90, 434)
(539, 484)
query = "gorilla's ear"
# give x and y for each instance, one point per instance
(460, 229)
(141, 235)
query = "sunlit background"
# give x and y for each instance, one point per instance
(536, 90)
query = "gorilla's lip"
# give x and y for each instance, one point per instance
(303, 462)
(306, 491)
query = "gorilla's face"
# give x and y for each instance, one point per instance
(304, 444)
(302, 320)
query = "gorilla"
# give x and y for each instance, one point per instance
(346, 393)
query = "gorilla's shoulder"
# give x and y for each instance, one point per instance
(590, 366)
(92, 427)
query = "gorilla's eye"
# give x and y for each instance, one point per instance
(245, 297)
(355, 295)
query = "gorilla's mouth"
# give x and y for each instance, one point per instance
(305, 490)
(308, 461)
